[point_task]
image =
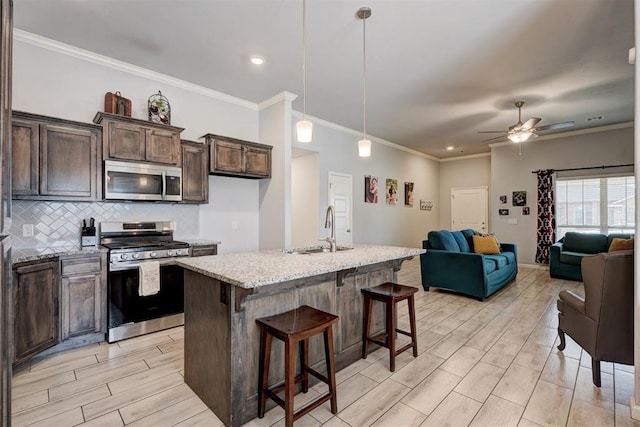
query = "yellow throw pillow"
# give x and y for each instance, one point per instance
(485, 245)
(619, 244)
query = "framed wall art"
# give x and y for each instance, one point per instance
(370, 189)
(519, 198)
(392, 191)
(408, 193)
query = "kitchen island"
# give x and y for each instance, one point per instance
(225, 294)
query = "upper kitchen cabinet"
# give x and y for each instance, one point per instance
(125, 138)
(234, 157)
(55, 159)
(195, 172)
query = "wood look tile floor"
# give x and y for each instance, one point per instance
(480, 363)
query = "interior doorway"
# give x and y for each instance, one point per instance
(341, 197)
(469, 208)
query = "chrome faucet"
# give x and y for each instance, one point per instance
(329, 223)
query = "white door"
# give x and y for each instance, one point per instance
(469, 208)
(341, 197)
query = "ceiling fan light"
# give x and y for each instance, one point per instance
(304, 129)
(520, 136)
(364, 148)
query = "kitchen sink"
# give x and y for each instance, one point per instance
(317, 250)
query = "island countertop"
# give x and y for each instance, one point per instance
(254, 269)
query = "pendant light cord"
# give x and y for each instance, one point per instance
(364, 78)
(304, 59)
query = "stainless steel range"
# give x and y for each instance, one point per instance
(139, 253)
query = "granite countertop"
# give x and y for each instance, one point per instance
(36, 254)
(254, 269)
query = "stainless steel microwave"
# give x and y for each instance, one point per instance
(141, 181)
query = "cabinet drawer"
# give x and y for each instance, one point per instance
(204, 250)
(74, 266)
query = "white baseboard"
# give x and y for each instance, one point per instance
(635, 409)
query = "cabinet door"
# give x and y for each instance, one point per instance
(257, 161)
(226, 156)
(24, 160)
(195, 172)
(36, 308)
(163, 146)
(80, 308)
(126, 141)
(68, 165)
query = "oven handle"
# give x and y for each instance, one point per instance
(121, 266)
(164, 185)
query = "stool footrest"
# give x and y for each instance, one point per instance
(403, 332)
(403, 348)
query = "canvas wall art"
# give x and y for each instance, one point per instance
(370, 189)
(408, 193)
(392, 191)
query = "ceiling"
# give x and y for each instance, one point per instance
(438, 71)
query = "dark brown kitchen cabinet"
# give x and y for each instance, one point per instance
(126, 138)
(204, 250)
(35, 296)
(55, 159)
(195, 172)
(83, 295)
(234, 157)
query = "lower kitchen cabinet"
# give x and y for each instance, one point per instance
(204, 250)
(36, 305)
(83, 295)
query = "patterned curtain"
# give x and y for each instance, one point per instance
(546, 215)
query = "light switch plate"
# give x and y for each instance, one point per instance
(27, 230)
(513, 221)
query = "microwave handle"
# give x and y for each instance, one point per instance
(164, 185)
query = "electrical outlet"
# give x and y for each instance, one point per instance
(234, 225)
(27, 230)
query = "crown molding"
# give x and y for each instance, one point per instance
(281, 97)
(570, 133)
(467, 157)
(76, 52)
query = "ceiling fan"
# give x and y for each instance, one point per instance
(521, 132)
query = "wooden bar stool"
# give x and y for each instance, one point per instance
(390, 294)
(296, 327)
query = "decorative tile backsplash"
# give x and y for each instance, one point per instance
(58, 224)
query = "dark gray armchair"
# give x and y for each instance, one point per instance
(602, 322)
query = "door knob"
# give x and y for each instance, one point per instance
(348, 230)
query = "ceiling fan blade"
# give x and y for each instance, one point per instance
(495, 139)
(531, 123)
(553, 126)
(492, 131)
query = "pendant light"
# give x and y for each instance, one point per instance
(304, 127)
(364, 145)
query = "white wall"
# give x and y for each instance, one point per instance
(511, 172)
(376, 223)
(468, 172)
(61, 81)
(305, 185)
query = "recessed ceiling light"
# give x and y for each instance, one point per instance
(451, 148)
(256, 60)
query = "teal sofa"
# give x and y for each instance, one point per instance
(450, 263)
(566, 255)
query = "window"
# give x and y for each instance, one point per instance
(595, 205)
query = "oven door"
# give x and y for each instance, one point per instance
(130, 314)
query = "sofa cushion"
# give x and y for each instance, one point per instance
(573, 258)
(620, 244)
(489, 265)
(510, 256)
(462, 241)
(443, 240)
(501, 261)
(468, 234)
(585, 243)
(612, 236)
(485, 245)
